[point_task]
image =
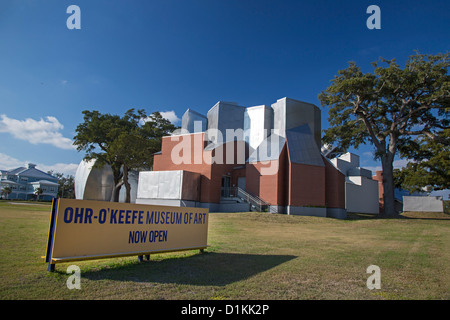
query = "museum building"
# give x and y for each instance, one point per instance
(265, 158)
(237, 159)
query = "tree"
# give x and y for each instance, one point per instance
(6, 191)
(124, 143)
(430, 165)
(66, 185)
(389, 108)
(38, 192)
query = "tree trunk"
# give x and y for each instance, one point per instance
(127, 184)
(118, 182)
(388, 186)
(116, 192)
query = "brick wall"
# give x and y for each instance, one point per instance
(190, 149)
(379, 177)
(186, 152)
(306, 185)
(269, 187)
(290, 184)
(334, 187)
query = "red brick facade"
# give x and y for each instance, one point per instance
(271, 187)
(379, 178)
(187, 152)
(291, 184)
(334, 187)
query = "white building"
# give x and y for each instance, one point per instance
(23, 183)
(361, 192)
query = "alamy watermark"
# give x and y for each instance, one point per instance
(374, 281)
(74, 20)
(74, 281)
(374, 21)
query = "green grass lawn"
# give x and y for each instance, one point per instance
(251, 256)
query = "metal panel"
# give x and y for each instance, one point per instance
(169, 184)
(176, 184)
(429, 204)
(213, 117)
(148, 184)
(223, 116)
(358, 171)
(269, 149)
(81, 177)
(347, 162)
(193, 121)
(302, 146)
(93, 183)
(290, 113)
(361, 195)
(258, 123)
(279, 117)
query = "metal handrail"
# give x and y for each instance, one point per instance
(254, 200)
(252, 196)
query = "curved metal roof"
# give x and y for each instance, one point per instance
(303, 147)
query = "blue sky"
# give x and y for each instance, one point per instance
(169, 55)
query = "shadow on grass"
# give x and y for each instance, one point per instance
(207, 269)
(361, 216)
(444, 217)
(403, 215)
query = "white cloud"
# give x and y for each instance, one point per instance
(36, 131)
(64, 168)
(171, 116)
(9, 163)
(168, 115)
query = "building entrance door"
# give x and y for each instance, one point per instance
(225, 186)
(241, 183)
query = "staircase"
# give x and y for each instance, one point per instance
(238, 195)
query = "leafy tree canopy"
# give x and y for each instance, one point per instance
(123, 142)
(395, 109)
(430, 166)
